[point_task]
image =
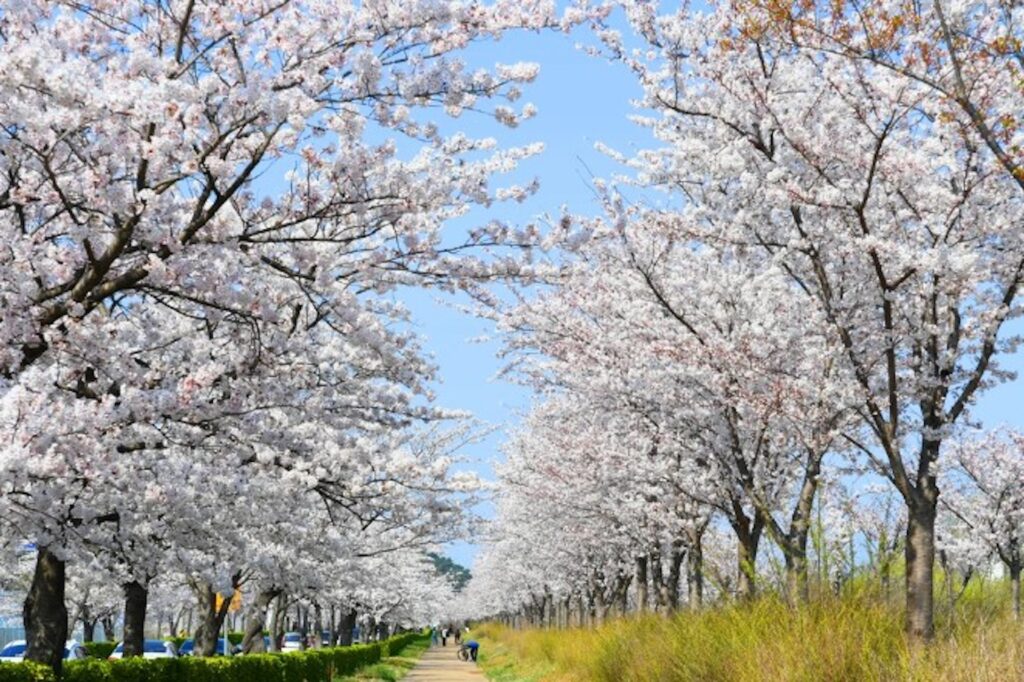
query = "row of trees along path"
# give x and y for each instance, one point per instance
(814, 270)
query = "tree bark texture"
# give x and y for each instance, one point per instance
(136, 597)
(45, 613)
(253, 642)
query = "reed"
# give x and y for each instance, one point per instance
(857, 637)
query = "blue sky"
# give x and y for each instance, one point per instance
(580, 100)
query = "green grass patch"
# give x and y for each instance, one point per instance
(394, 667)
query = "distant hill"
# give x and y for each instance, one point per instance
(458, 574)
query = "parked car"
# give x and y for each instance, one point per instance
(151, 648)
(187, 647)
(14, 652)
(292, 641)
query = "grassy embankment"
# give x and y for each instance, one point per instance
(393, 667)
(857, 637)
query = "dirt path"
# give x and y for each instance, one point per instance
(439, 664)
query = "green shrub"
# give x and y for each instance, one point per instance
(398, 643)
(124, 670)
(177, 641)
(99, 649)
(316, 665)
(235, 638)
(349, 659)
(89, 670)
(251, 668)
(25, 672)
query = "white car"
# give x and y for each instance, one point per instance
(292, 641)
(14, 652)
(151, 648)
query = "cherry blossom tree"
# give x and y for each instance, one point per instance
(93, 598)
(195, 197)
(875, 192)
(721, 364)
(984, 483)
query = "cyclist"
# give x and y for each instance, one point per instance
(473, 647)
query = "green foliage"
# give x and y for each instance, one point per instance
(348, 660)
(99, 649)
(235, 638)
(125, 670)
(405, 652)
(457, 574)
(25, 672)
(397, 644)
(317, 665)
(177, 641)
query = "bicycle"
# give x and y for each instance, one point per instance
(464, 653)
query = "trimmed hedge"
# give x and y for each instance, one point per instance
(26, 672)
(395, 645)
(99, 649)
(315, 665)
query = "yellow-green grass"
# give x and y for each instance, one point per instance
(854, 637)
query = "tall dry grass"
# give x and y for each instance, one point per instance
(856, 637)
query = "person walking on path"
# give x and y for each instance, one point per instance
(444, 636)
(433, 636)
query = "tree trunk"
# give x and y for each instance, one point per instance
(281, 622)
(276, 611)
(641, 584)
(318, 626)
(333, 626)
(45, 614)
(920, 556)
(1015, 587)
(797, 588)
(674, 570)
(253, 642)
(136, 595)
(347, 628)
(211, 619)
(695, 576)
(658, 581)
(748, 537)
(795, 545)
(88, 629)
(108, 628)
(598, 606)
